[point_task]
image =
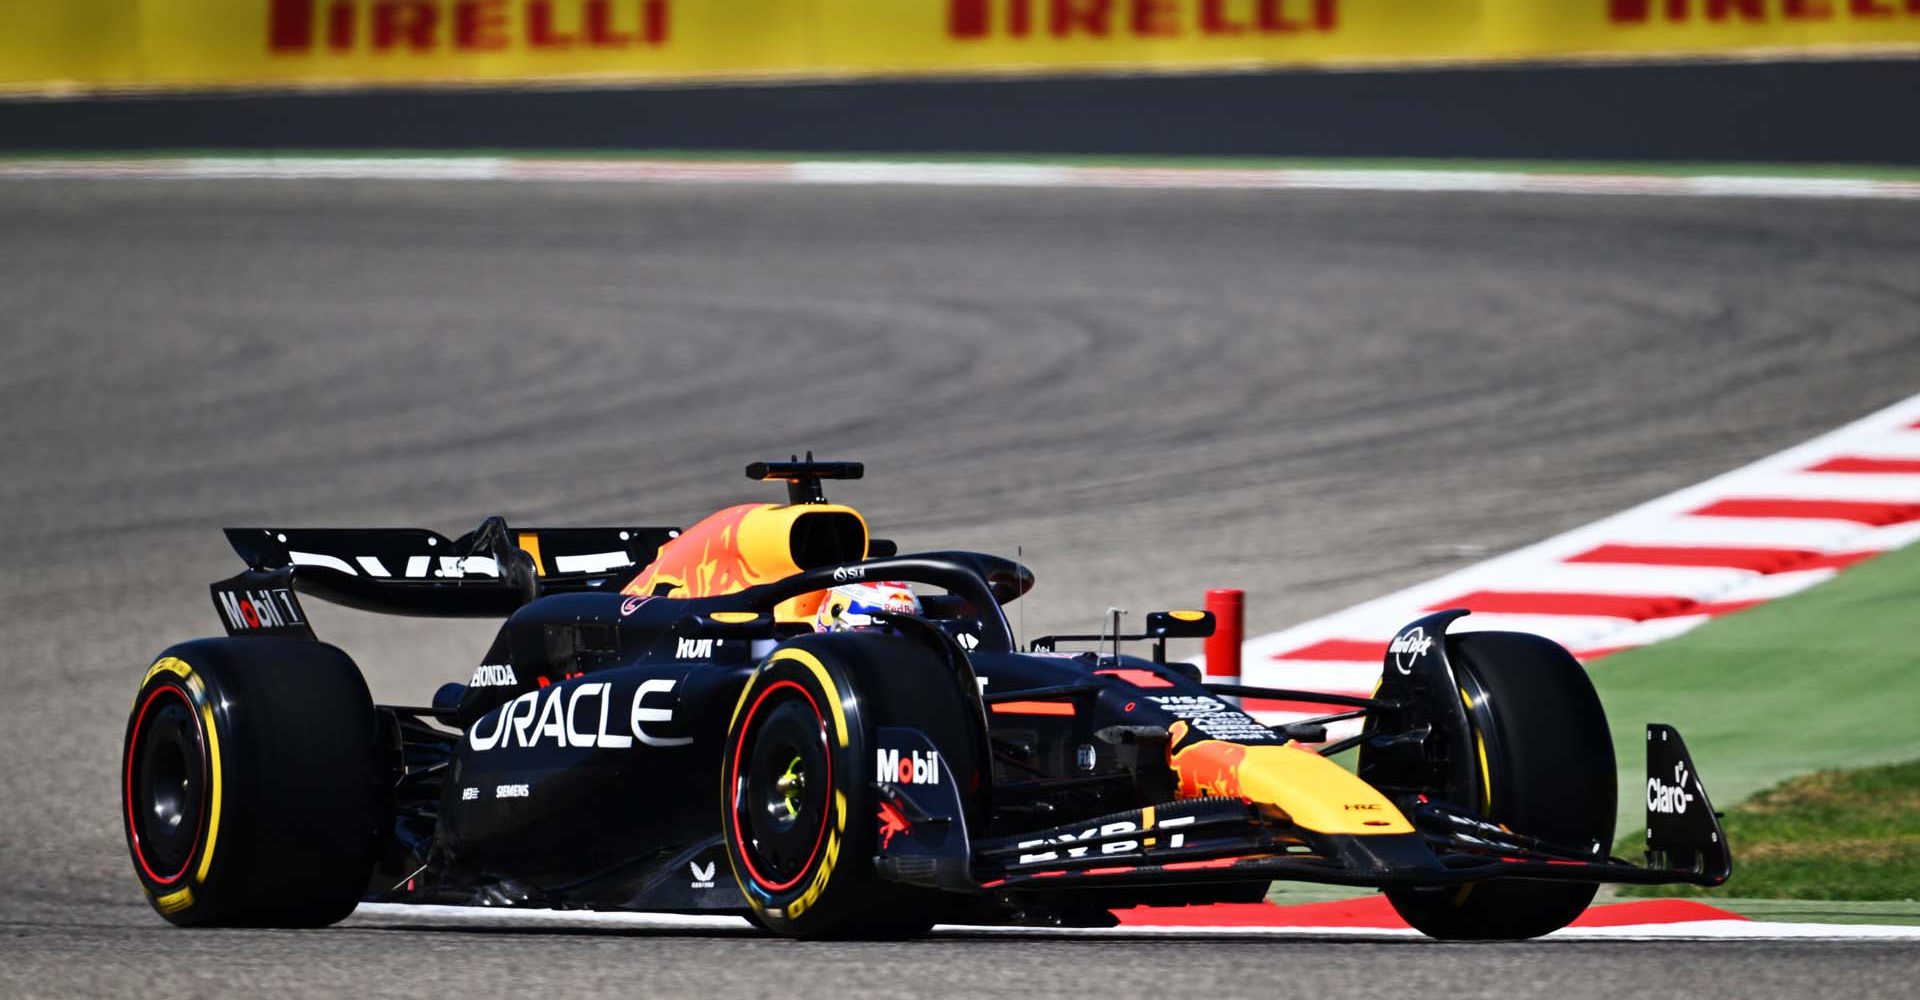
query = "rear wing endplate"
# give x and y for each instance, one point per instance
(261, 602)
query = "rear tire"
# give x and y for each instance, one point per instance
(1548, 771)
(250, 784)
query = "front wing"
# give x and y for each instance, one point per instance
(1231, 840)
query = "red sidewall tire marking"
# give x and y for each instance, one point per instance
(733, 790)
(126, 781)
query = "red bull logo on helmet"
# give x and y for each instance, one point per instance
(853, 605)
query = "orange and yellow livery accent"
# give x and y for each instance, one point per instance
(751, 544)
(1314, 792)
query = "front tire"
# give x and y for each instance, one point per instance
(799, 803)
(250, 787)
(1546, 756)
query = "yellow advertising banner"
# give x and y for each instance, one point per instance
(56, 45)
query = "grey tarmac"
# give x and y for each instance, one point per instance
(1317, 397)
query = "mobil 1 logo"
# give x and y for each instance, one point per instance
(259, 610)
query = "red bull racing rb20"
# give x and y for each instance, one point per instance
(776, 715)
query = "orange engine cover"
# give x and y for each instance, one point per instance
(755, 543)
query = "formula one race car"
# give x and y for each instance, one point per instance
(694, 722)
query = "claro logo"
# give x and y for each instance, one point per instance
(340, 27)
(1670, 800)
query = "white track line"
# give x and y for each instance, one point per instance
(857, 172)
(1894, 537)
(392, 913)
(1699, 582)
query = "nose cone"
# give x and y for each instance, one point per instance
(1315, 792)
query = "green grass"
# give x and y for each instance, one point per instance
(1820, 911)
(1798, 170)
(1827, 678)
(1830, 835)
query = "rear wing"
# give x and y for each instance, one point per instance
(485, 573)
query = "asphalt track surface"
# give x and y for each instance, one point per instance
(1319, 397)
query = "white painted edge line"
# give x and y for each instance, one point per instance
(1752, 930)
(590, 919)
(860, 172)
(532, 917)
(1694, 930)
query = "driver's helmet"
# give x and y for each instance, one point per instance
(853, 605)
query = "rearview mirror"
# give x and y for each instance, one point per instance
(1179, 624)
